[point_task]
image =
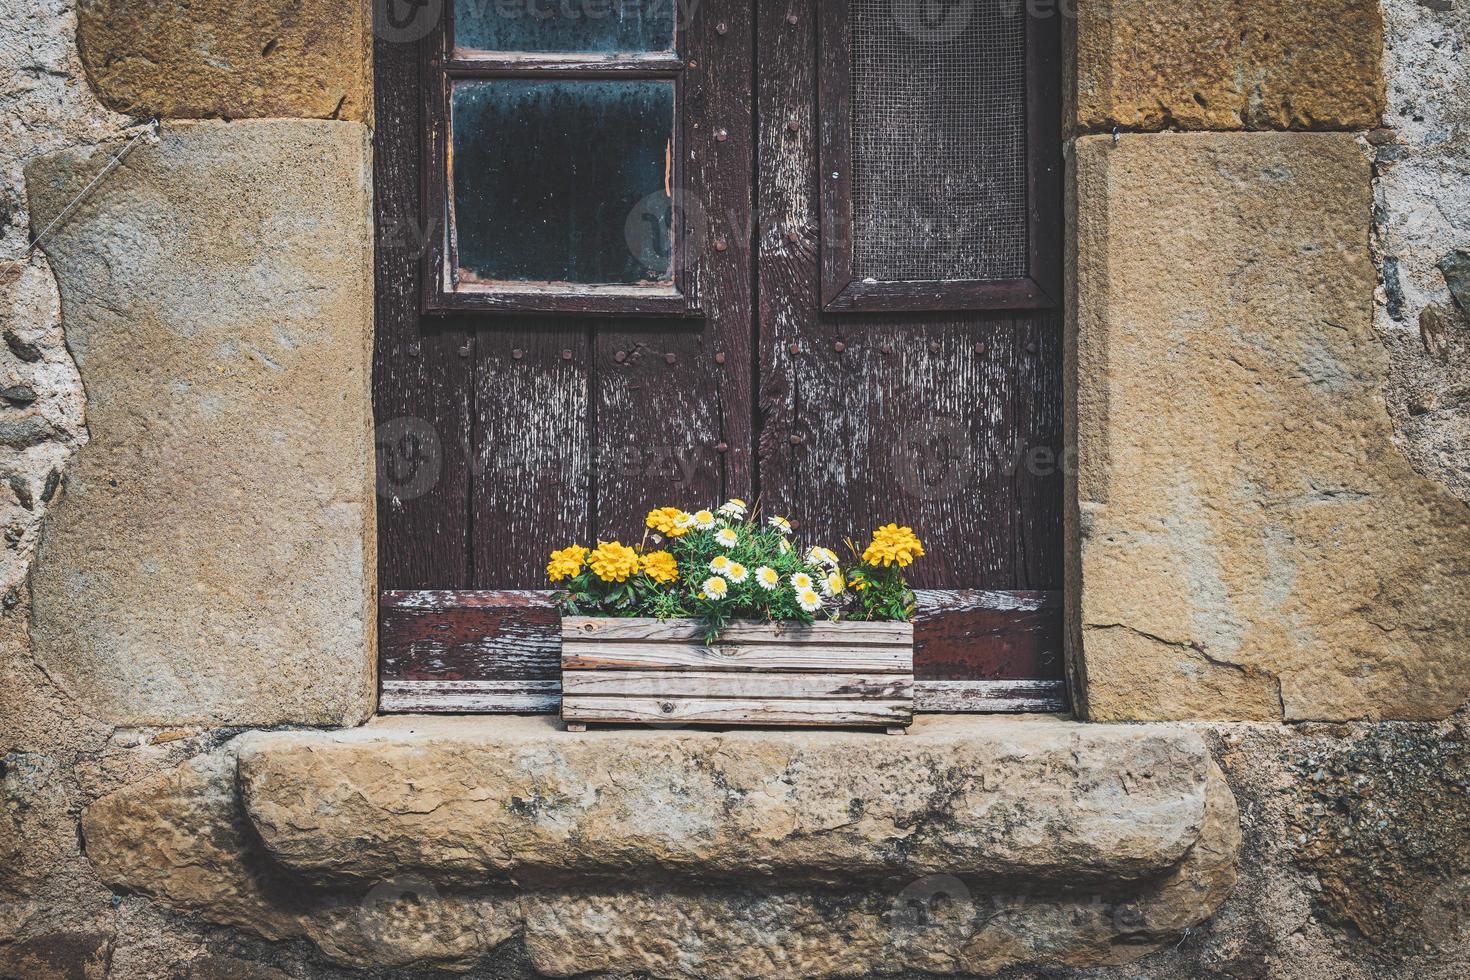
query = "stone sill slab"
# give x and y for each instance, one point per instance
(472, 800)
(968, 846)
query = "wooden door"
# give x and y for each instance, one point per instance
(503, 435)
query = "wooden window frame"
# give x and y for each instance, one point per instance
(443, 65)
(1040, 288)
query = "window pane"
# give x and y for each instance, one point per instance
(554, 26)
(563, 181)
(939, 139)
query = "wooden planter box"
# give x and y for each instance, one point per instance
(649, 670)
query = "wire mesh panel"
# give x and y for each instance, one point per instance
(939, 162)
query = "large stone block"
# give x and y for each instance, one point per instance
(1252, 542)
(212, 559)
(1223, 64)
(208, 58)
(456, 800)
(187, 839)
(937, 924)
(181, 837)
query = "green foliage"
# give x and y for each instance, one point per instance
(733, 569)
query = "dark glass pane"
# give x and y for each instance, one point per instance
(938, 139)
(563, 181)
(554, 26)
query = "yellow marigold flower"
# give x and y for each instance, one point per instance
(666, 521)
(614, 562)
(893, 545)
(566, 563)
(660, 566)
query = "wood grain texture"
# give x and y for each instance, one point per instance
(993, 697)
(533, 484)
(544, 697)
(918, 418)
(738, 711)
(643, 670)
(973, 634)
(421, 377)
(554, 428)
(492, 636)
(674, 418)
(738, 684)
(503, 636)
(599, 629)
(498, 697)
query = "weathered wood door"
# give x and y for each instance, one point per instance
(503, 435)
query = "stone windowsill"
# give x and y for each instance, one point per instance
(475, 799)
(687, 854)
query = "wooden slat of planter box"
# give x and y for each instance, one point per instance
(738, 711)
(647, 670)
(715, 684)
(427, 638)
(848, 634)
(693, 655)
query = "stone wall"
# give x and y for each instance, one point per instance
(1255, 538)
(1271, 527)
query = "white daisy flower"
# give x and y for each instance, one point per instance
(821, 556)
(767, 578)
(801, 582)
(738, 573)
(714, 587)
(784, 547)
(720, 565)
(781, 524)
(684, 520)
(734, 508)
(832, 583)
(726, 538)
(808, 600)
(704, 520)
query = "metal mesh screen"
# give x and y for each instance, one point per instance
(938, 139)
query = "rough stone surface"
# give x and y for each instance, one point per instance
(212, 561)
(223, 58)
(45, 105)
(182, 836)
(1423, 219)
(185, 838)
(1252, 542)
(451, 799)
(935, 924)
(1223, 64)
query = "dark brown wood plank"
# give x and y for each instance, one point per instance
(673, 419)
(866, 418)
(469, 636)
(505, 636)
(532, 465)
(968, 634)
(421, 376)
